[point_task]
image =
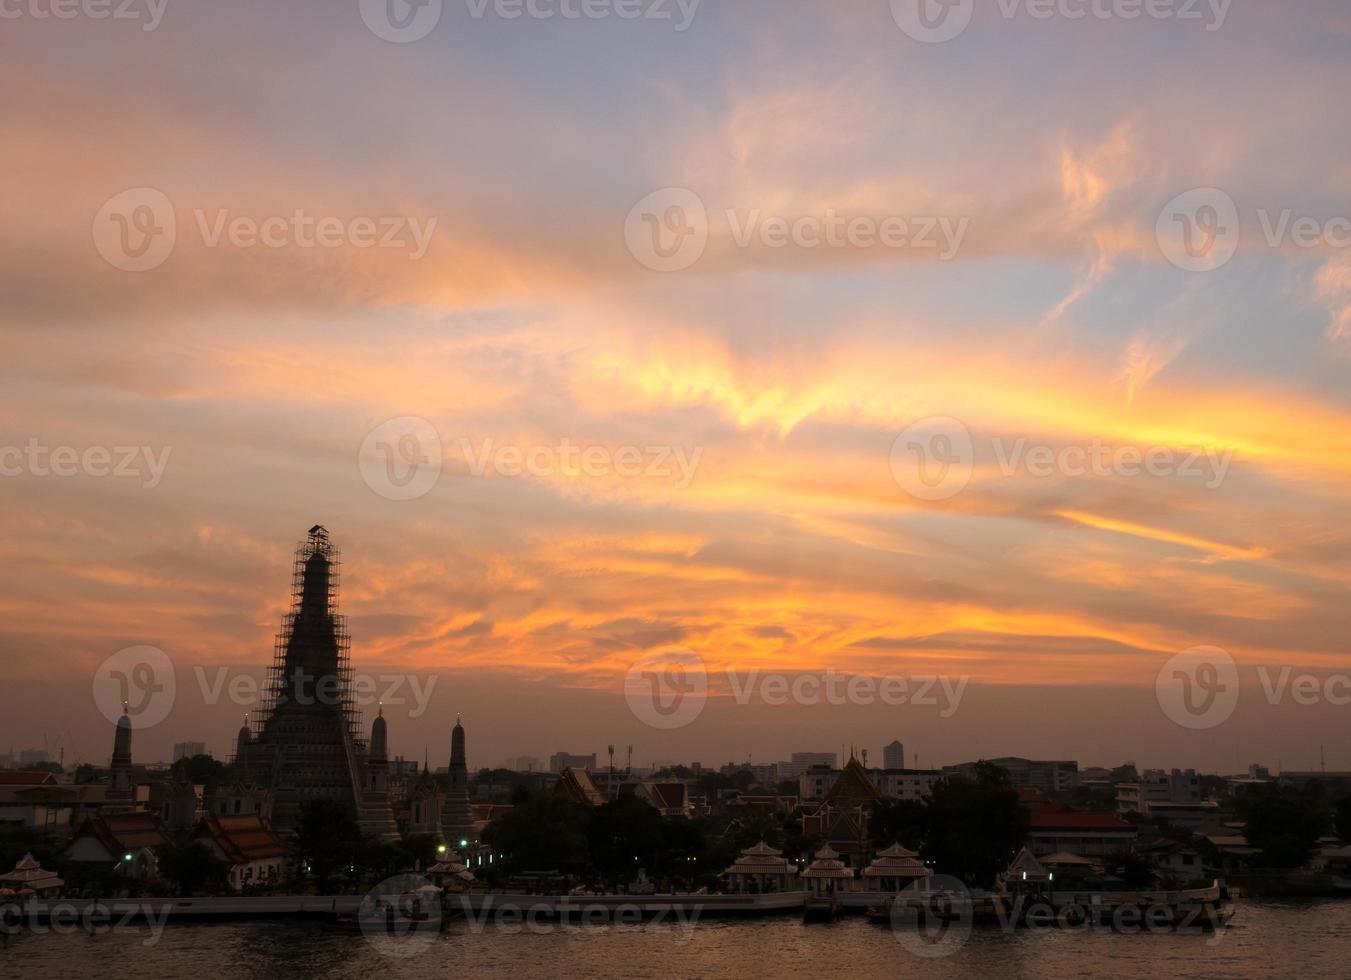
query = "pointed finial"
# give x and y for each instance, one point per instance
(124, 707)
(380, 712)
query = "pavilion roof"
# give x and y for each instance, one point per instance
(29, 874)
(762, 860)
(828, 865)
(897, 862)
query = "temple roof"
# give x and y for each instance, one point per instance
(853, 786)
(242, 838)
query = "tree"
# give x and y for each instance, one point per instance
(201, 770)
(898, 822)
(624, 835)
(1284, 826)
(543, 834)
(1343, 818)
(191, 867)
(1130, 867)
(975, 826)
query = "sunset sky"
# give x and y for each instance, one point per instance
(791, 372)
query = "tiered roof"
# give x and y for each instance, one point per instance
(29, 874)
(828, 865)
(897, 862)
(762, 860)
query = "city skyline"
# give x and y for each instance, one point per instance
(773, 337)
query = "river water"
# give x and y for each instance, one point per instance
(1305, 940)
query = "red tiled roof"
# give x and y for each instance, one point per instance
(243, 838)
(119, 832)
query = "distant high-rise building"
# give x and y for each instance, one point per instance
(187, 750)
(566, 760)
(893, 756)
(32, 757)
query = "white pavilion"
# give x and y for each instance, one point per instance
(763, 869)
